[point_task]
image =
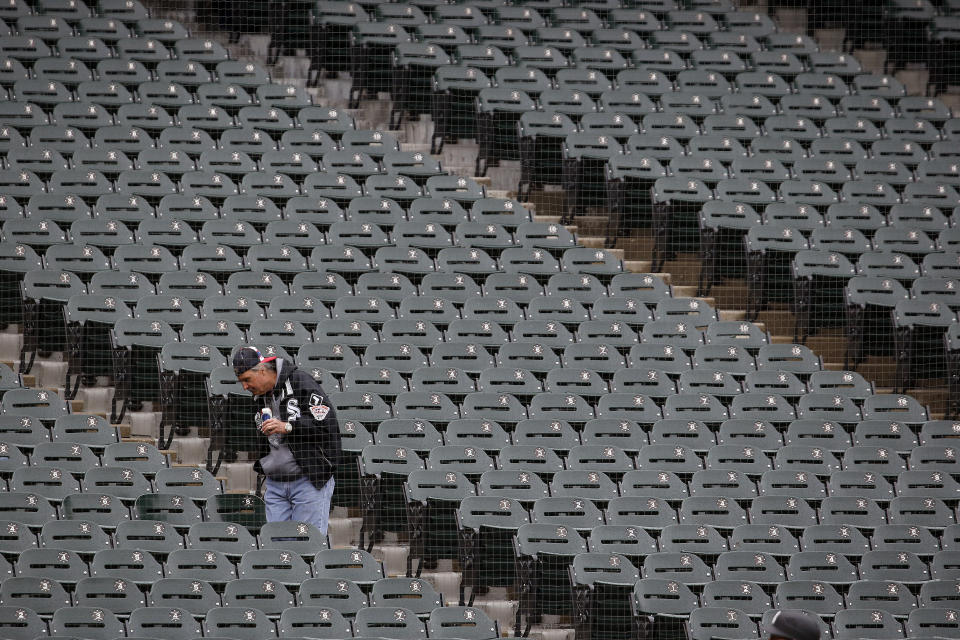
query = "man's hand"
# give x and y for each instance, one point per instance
(272, 426)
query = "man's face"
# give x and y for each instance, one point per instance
(258, 382)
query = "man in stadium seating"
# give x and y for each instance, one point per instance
(302, 445)
(792, 624)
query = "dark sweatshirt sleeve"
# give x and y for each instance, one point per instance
(322, 433)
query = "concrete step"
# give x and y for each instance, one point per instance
(10, 345)
(96, 399)
(190, 450)
(394, 558)
(595, 225)
(684, 270)
(145, 423)
(637, 247)
(239, 476)
(344, 531)
(50, 373)
(778, 321)
(731, 294)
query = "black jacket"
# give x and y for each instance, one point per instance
(314, 443)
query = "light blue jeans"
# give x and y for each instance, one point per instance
(298, 501)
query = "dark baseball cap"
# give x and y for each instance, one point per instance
(247, 358)
(794, 624)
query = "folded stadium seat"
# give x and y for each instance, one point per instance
(591, 82)
(854, 623)
(147, 620)
(91, 431)
(391, 287)
(50, 482)
(809, 102)
(417, 595)
(913, 129)
(742, 576)
(29, 512)
(859, 217)
(182, 366)
(784, 482)
(810, 458)
(784, 383)
(45, 294)
(346, 592)
(186, 73)
(920, 326)
(518, 287)
(37, 595)
(905, 537)
(445, 212)
(92, 622)
(314, 620)
(932, 457)
(466, 622)
(43, 162)
(414, 65)
(126, 564)
(490, 237)
(156, 537)
(662, 605)
(343, 595)
(758, 434)
(371, 46)
(823, 566)
(78, 536)
(431, 499)
(517, 484)
(932, 194)
(913, 216)
(520, 383)
(722, 228)
(704, 540)
(125, 484)
(151, 186)
(887, 594)
(544, 332)
(603, 331)
(383, 469)
(831, 407)
(861, 512)
(694, 402)
(942, 567)
(935, 431)
(241, 623)
(848, 241)
(488, 334)
(486, 526)
(473, 358)
(816, 597)
(227, 403)
(653, 383)
(687, 108)
(882, 459)
(595, 486)
(192, 482)
(137, 456)
(723, 513)
(902, 408)
(937, 593)
(817, 274)
(770, 250)
(870, 301)
(541, 135)
(669, 358)
(856, 483)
